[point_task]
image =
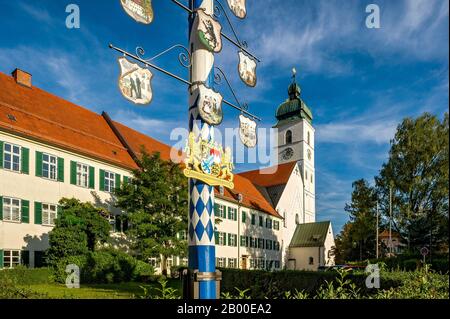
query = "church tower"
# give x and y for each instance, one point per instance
(296, 142)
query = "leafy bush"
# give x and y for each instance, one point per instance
(26, 276)
(143, 272)
(59, 267)
(9, 286)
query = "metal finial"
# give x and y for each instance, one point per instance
(294, 72)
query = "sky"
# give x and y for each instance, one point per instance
(359, 82)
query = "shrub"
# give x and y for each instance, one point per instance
(59, 267)
(143, 272)
(9, 286)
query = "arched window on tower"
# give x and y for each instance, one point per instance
(289, 137)
(297, 220)
(309, 138)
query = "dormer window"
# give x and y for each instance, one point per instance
(288, 137)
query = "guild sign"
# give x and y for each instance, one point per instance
(139, 10)
(238, 8)
(208, 162)
(247, 131)
(209, 31)
(135, 82)
(210, 105)
(247, 69)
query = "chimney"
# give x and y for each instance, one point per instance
(22, 77)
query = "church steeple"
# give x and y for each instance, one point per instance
(293, 108)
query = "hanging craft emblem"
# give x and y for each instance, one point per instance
(247, 69)
(139, 10)
(247, 131)
(209, 31)
(210, 105)
(238, 8)
(208, 162)
(135, 82)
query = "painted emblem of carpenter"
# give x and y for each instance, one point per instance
(247, 69)
(210, 105)
(135, 83)
(139, 10)
(247, 131)
(238, 8)
(209, 162)
(209, 31)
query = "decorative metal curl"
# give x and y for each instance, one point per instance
(218, 81)
(184, 58)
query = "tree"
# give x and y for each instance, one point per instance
(357, 240)
(156, 201)
(78, 229)
(418, 173)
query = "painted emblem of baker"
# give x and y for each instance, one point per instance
(209, 31)
(247, 131)
(135, 83)
(139, 10)
(209, 162)
(247, 69)
(210, 105)
(238, 8)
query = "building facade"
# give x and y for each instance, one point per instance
(51, 149)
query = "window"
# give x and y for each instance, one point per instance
(252, 263)
(277, 264)
(11, 258)
(49, 166)
(311, 178)
(232, 262)
(49, 213)
(110, 182)
(82, 175)
(232, 213)
(244, 241)
(244, 217)
(297, 220)
(309, 138)
(268, 223)
(221, 211)
(268, 244)
(11, 157)
(284, 220)
(311, 260)
(232, 240)
(276, 225)
(252, 242)
(288, 137)
(253, 219)
(306, 175)
(260, 243)
(220, 262)
(222, 239)
(11, 209)
(261, 221)
(261, 263)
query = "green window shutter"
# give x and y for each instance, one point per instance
(216, 210)
(244, 217)
(117, 181)
(91, 177)
(1, 258)
(102, 180)
(25, 211)
(25, 161)
(125, 179)
(229, 239)
(235, 215)
(253, 219)
(1, 208)
(216, 235)
(1, 156)
(224, 239)
(38, 213)
(73, 173)
(39, 164)
(25, 257)
(229, 212)
(60, 169)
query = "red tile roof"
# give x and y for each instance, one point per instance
(47, 118)
(271, 176)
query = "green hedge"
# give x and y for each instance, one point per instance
(408, 263)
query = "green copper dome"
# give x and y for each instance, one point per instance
(293, 108)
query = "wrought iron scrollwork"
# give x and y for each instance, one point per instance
(184, 58)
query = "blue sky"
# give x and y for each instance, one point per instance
(359, 82)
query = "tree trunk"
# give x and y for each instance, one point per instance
(164, 265)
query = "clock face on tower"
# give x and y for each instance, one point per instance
(288, 153)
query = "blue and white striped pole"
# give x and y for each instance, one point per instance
(202, 251)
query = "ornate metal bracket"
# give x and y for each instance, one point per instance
(218, 10)
(184, 57)
(140, 52)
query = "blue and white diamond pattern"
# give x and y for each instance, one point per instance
(201, 223)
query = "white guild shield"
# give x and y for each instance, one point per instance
(209, 31)
(238, 8)
(135, 83)
(139, 10)
(247, 69)
(210, 105)
(247, 131)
